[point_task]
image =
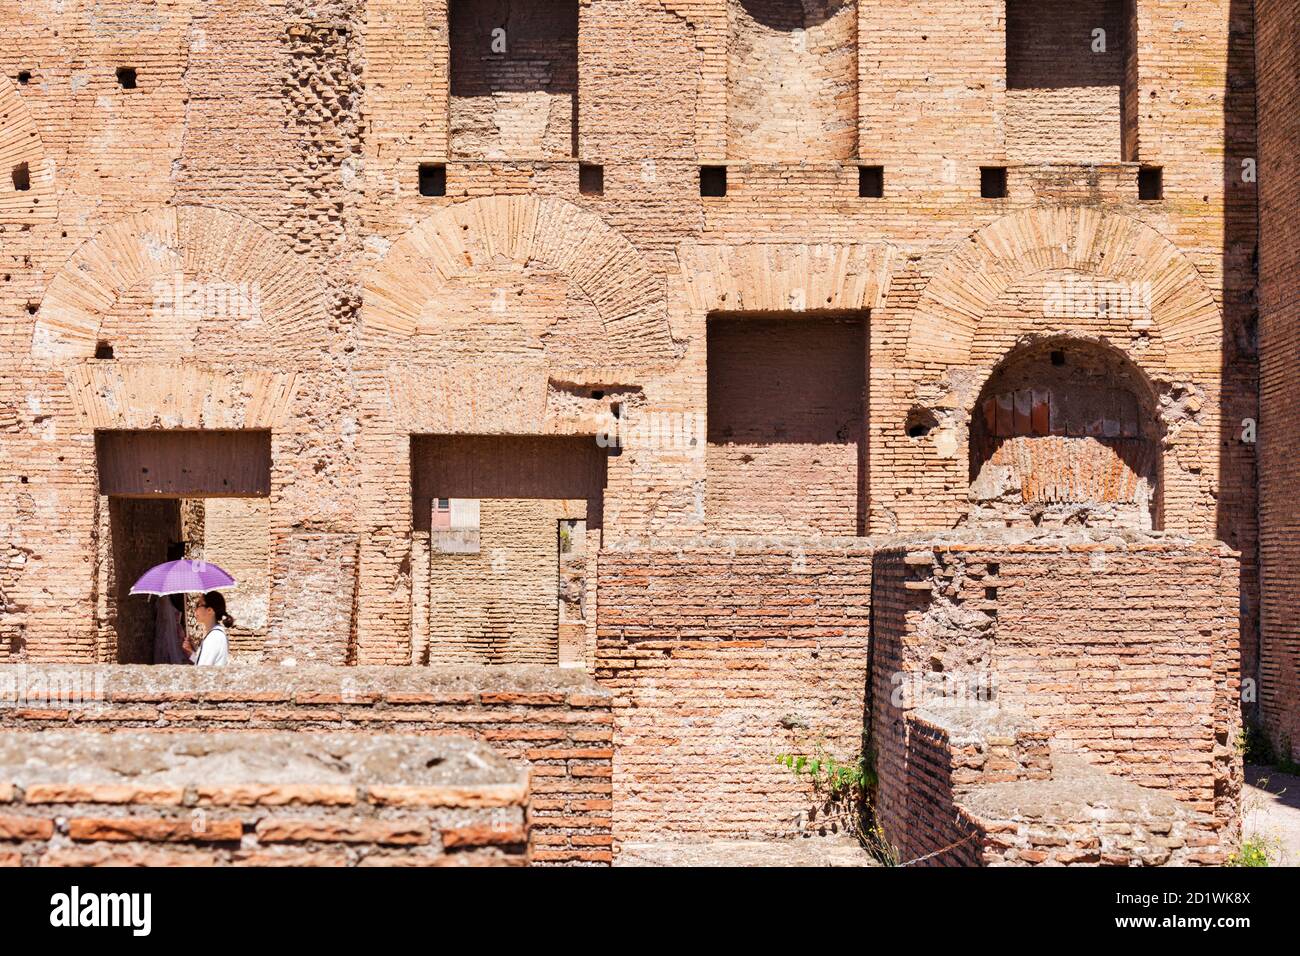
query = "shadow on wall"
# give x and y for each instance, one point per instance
(786, 405)
(1053, 44)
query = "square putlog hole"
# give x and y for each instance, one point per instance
(1151, 183)
(871, 182)
(126, 77)
(433, 179)
(591, 179)
(993, 182)
(713, 180)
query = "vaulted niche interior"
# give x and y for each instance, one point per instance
(792, 80)
(1066, 432)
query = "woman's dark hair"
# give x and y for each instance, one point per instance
(217, 601)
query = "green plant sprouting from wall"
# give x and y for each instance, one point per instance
(847, 787)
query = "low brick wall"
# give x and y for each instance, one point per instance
(983, 789)
(724, 654)
(557, 722)
(1085, 816)
(136, 798)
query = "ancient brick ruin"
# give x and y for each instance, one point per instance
(600, 400)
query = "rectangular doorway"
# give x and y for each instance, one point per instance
(171, 494)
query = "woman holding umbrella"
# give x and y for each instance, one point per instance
(201, 577)
(214, 648)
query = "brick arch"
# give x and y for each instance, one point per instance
(467, 236)
(1087, 240)
(195, 241)
(779, 277)
(20, 145)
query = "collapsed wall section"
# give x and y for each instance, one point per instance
(1122, 649)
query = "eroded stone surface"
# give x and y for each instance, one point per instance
(212, 759)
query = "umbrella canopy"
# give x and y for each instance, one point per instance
(182, 577)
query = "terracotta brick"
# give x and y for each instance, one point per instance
(25, 828)
(483, 834)
(154, 829)
(277, 795)
(490, 795)
(125, 856)
(271, 858)
(144, 794)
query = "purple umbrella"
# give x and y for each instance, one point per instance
(182, 577)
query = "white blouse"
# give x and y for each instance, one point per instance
(214, 649)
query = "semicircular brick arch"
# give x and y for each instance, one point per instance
(957, 298)
(194, 241)
(23, 162)
(459, 239)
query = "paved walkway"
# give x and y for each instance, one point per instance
(1270, 808)
(803, 852)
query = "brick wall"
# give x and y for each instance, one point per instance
(237, 536)
(723, 655)
(506, 305)
(136, 798)
(1278, 60)
(386, 313)
(500, 605)
(558, 723)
